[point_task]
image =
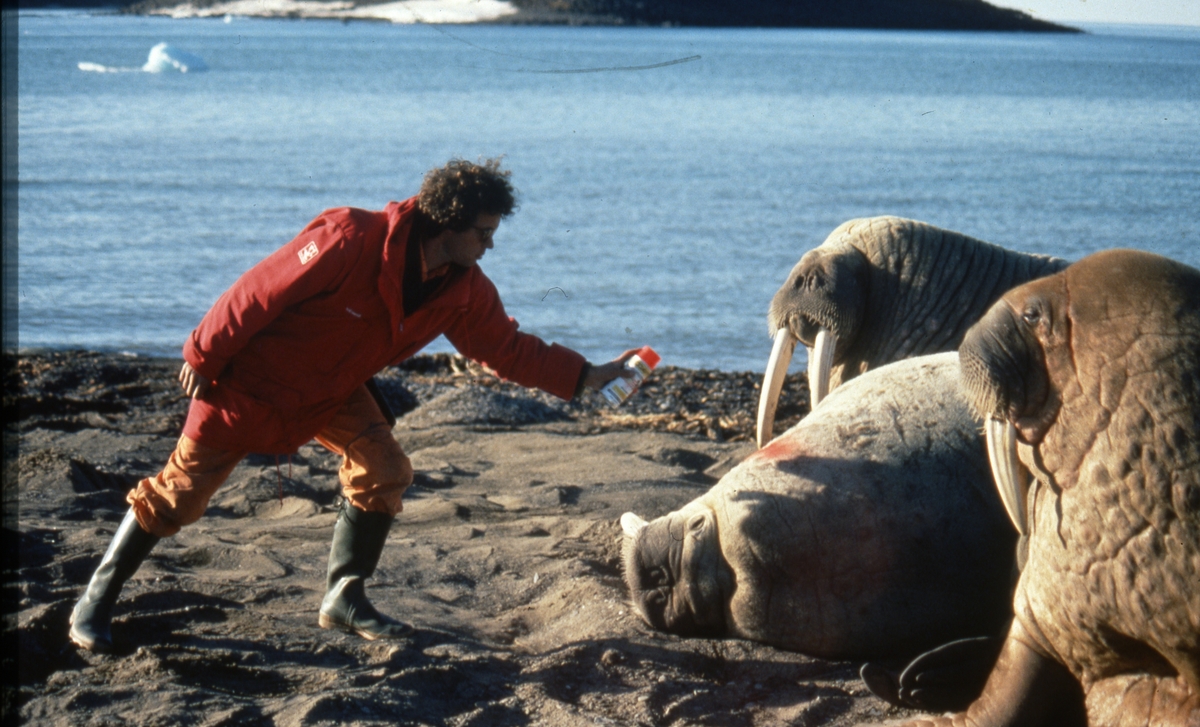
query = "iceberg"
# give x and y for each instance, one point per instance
(164, 57)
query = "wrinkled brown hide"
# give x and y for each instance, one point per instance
(1099, 369)
(889, 288)
(870, 529)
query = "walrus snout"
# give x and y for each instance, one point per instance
(1004, 375)
(790, 312)
(672, 568)
(993, 355)
(824, 291)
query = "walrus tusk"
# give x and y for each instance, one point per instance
(632, 524)
(820, 360)
(1011, 479)
(768, 398)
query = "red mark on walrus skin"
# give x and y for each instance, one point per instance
(783, 448)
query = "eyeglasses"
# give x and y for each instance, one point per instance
(485, 233)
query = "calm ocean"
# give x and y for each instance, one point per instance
(663, 205)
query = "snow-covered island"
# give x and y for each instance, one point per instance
(891, 14)
(401, 11)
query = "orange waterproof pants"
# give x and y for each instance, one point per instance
(374, 474)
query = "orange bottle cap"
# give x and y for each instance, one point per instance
(648, 355)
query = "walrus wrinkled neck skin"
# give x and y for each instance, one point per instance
(678, 579)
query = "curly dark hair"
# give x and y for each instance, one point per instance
(456, 194)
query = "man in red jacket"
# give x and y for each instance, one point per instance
(284, 356)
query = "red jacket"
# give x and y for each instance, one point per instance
(289, 342)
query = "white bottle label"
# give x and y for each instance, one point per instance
(620, 388)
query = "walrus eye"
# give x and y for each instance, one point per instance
(1032, 316)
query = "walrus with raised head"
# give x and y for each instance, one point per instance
(882, 289)
(870, 529)
(1091, 378)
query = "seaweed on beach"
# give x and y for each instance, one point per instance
(75, 390)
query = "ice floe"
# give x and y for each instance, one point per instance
(98, 68)
(163, 57)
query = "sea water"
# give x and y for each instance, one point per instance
(669, 178)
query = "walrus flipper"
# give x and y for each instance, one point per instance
(947, 678)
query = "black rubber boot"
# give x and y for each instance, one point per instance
(91, 620)
(358, 539)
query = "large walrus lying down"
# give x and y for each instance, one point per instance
(882, 289)
(1092, 378)
(870, 529)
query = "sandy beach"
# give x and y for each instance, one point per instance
(505, 559)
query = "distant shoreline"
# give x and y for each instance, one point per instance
(969, 15)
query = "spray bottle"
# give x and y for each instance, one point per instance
(640, 364)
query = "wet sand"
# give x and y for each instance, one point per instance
(505, 560)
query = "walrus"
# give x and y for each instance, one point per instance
(1091, 379)
(869, 529)
(882, 289)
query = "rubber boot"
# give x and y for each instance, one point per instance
(91, 620)
(358, 539)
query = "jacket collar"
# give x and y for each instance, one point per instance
(455, 293)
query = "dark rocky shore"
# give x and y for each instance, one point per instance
(73, 390)
(506, 560)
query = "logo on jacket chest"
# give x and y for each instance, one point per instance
(308, 252)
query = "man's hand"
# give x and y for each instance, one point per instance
(193, 383)
(597, 376)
